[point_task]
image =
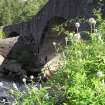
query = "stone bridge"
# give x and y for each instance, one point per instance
(54, 8)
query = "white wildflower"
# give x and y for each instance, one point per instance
(24, 80)
(66, 39)
(92, 21)
(54, 43)
(4, 100)
(77, 36)
(77, 24)
(31, 77)
(15, 86)
(99, 74)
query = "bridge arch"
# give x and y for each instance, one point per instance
(13, 34)
(53, 21)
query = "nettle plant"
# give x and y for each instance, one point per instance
(80, 81)
(83, 75)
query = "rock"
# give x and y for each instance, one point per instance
(3, 93)
(52, 66)
(12, 70)
(5, 90)
(1, 59)
(6, 45)
(12, 66)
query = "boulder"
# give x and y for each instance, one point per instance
(1, 59)
(13, 66)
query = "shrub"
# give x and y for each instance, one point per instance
(2, 35)
(81, 80)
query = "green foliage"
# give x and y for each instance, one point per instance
(32, 97)
(2, 35)
(81, 80)
(14, 11)
(79, 74)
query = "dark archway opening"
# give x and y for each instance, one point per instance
(47, 50)
(13, 34)
(50, 24)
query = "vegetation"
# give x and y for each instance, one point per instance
(14, 11)
(81, 80)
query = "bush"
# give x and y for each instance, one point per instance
(81, 80)
(2, 35)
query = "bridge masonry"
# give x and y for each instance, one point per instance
(54, 8)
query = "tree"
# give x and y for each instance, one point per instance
(14, 11)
